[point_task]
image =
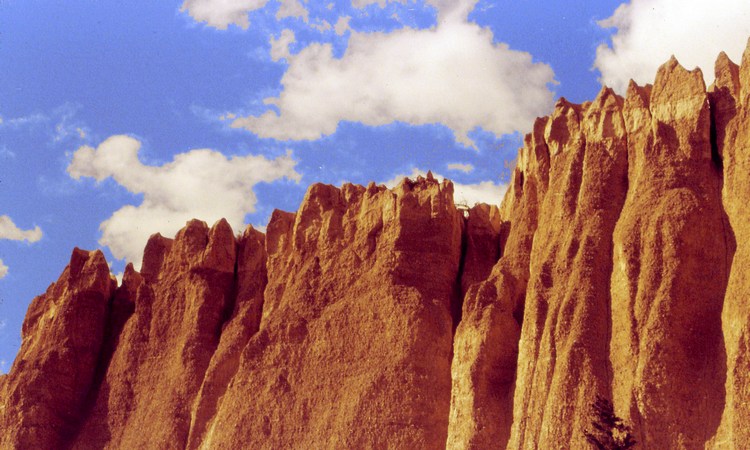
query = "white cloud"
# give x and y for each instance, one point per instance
(292, 8)
(222, 13)
(280, 45)
(453, 74)
(3, 273)
(445, 8)
(650, 31)
(342, 25)
(201, 184)
(467, 194)
(9, 230)
(465, 168)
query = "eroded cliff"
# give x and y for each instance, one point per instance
(375, 318)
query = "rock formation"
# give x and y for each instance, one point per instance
(375, 318)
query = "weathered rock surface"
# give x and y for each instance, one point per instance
(45, 391)
(155, 373)
(355, 341)
(616, 266)
(486, 342)
(730, 101)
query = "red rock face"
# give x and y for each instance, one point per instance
(355, 341)
(730, 101)
(155, 373)
(44, 393)
(486, 341)
(671, 269)
(377, 318)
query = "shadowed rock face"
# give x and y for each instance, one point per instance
(45, 391)
(375, 318)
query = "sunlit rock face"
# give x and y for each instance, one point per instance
(615, 267)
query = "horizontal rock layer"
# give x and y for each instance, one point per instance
(377, 318)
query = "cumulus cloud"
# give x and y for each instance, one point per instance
(466, 194)
(222, 13)
(465, 168)
(280, 45)
(452, 74)
(3, 273)
(9, 230)
(650, 31)
(342, 25)
(201, 184)
(292, 8)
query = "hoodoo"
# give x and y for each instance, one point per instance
(615, 267)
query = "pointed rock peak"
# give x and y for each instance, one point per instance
(279, 228)
(190, 242)
(563, 107)
(562, 104)
(90, 271)
(430, 177)
(536, 136)
(130, 278)
(194, 228)
(221, 229)
(221, 250)
(446, 187)
(745, 63)
(82, 260)
(322, 194)
(539, 125)
(564, 126)
(638, 96)
(607, 98)
(405, 185)
(674, 81)
(251, 233)
(77, 260)
(351, 192)
(745, 74)
(727, 75)
(156, 249)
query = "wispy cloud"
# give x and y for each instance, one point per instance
(9, 230)
(465, 168)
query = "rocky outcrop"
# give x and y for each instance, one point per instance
(44, 393)
(730, 102)
(180, 298)
(355, 341)
(486, 342)
(671, 268)
(376, 318)
(636, 288)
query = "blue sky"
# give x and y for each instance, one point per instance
(121, 119)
